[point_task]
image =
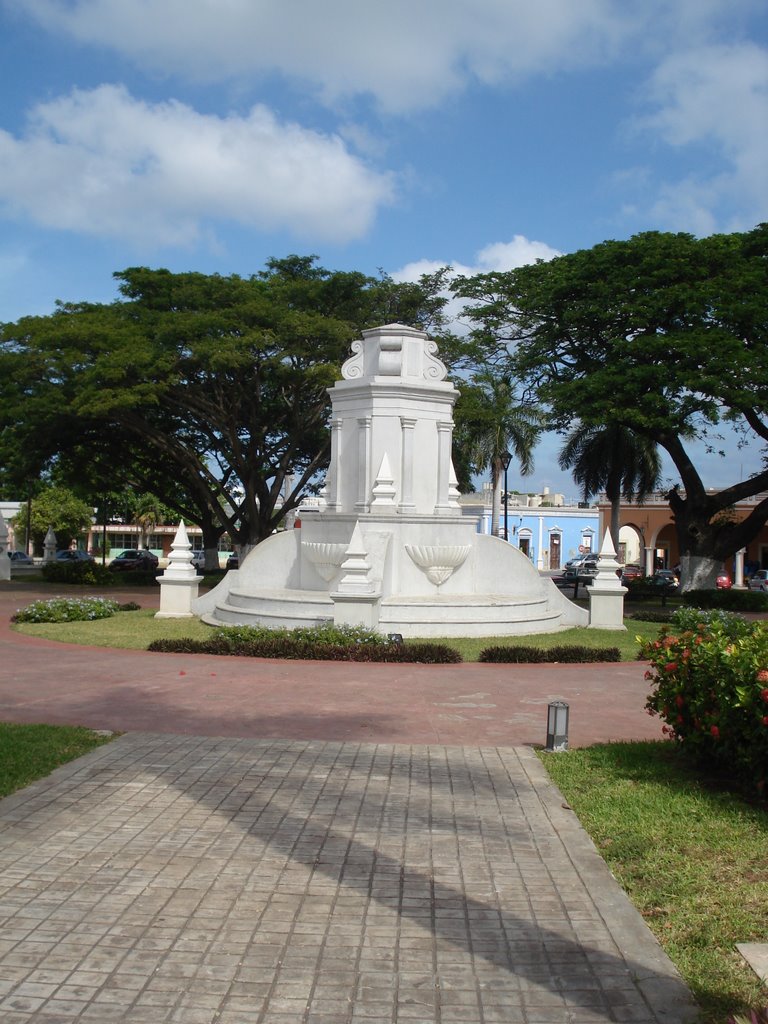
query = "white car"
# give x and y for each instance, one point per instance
(198, 559)
(759, 581)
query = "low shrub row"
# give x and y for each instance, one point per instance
(572, 653)
(95, 574)
(291, 648)
(709, 677)
(731, 600)
(83, 573)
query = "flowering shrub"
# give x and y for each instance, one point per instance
(710, 686)
(67, 609)
(328, 633)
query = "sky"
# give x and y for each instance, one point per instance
(211, 135)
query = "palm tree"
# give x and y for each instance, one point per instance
(490, 421)
(613, 459)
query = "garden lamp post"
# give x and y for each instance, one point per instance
(506, 458)
(557, 726)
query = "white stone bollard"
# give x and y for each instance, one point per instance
(49, 546)
(606, 594)
(179, 583)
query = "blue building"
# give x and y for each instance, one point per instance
(543, 526)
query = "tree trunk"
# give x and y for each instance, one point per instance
(615, 523)
(699, 572)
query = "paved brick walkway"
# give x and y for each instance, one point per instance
(241, 881)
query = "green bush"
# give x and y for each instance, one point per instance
(643, 590)
(84, 573)
(572, 653)
(253, 642)
(663, 615)
(735, 600)
(133, 578)
(328, 633)
(67, 609)
(710, 687)
(697, 619)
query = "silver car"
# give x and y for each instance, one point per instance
(759, 581)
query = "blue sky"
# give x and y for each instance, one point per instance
(210, 135)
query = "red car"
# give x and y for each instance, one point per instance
(629, 573)
(723, 581)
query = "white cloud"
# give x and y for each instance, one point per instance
(103, 163)
(715, 98)
(496, 256)
(406, 55)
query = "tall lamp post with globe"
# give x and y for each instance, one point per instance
(506, 458)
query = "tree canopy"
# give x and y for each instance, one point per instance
(209, 392)
(56, 507)
(664, 334)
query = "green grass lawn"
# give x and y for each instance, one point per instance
(136, 629)
(28, 752)
(692, 856)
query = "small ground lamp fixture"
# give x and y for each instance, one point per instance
(506, 458)
(557, 726)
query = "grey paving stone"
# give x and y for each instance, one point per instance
(196, 880)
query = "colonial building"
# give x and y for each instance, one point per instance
(648, 538)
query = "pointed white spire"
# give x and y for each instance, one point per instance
(180, 565)
(355, 566)
(384, 488)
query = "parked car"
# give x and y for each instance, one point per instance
(759, 580)
(631, 572)
(581, 568)
(20, 558)
(664, 579)
(132, 558)
(723, 581)
(73, 555)
(233, 562)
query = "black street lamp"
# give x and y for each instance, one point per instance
(506, 458)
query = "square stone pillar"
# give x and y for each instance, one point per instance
(606, 594)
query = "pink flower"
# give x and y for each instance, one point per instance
(715, 732)
(671, 666)
(762, 676)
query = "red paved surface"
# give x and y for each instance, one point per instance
(43, 681)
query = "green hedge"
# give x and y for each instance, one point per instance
(298, 649)
(572, 653)
(84, 573)
(734, 600)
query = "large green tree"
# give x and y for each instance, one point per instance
(56, 507)
(210, 392)
(664, 334)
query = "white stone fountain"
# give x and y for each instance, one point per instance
(387, 545)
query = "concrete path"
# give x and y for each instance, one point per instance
(324, 876)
